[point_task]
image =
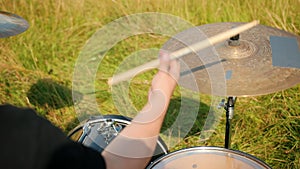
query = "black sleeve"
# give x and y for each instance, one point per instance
(76, 156)
(29, 141)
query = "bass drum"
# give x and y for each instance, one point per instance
(98, 131)
(208, 158)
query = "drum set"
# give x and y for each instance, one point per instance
(248, 62)
(248, 58)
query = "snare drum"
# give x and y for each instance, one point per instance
(98, 131)
(208, 158)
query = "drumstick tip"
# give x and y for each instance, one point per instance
(256, 22)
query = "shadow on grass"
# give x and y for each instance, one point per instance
(48, 93)
(197, 119)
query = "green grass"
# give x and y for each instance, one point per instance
(37, 66)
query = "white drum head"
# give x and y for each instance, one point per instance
(208, 158)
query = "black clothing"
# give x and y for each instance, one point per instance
(30, 142)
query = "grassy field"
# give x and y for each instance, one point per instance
(37, 67)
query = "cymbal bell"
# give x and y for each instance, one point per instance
(11, 24)
(228, 69)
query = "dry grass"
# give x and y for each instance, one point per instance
(267, 127)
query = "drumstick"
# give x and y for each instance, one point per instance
(181, 52)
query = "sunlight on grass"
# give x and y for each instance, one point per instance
(267, 127)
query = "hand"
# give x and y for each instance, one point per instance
(166, 79)
(163, 85)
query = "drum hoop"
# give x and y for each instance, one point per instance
(96, 119)
(210, 148)
(119, 118)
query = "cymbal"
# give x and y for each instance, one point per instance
(229, 69)
(11, 24)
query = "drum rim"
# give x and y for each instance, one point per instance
(94, 119)
(211, 148)
(120, 118)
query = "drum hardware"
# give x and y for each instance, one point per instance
(108, 129)
(234, 41)
(229, 106)
(11, 24)
(229, 109)
(98, 131)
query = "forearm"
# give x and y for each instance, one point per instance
(135, 145)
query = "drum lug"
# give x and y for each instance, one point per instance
(109, 129)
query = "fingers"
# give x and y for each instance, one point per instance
(174, 69)
(166, 79)
(164, 61)
(169, 66)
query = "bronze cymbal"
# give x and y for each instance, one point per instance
(229, 70)
(11, 24)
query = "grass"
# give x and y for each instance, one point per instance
(37, 66)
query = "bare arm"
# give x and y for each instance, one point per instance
(135, 145)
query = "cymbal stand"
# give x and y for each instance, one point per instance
(229, 107)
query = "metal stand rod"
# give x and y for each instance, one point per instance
(229, 107)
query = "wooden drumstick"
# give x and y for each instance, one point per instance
(181, 52)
